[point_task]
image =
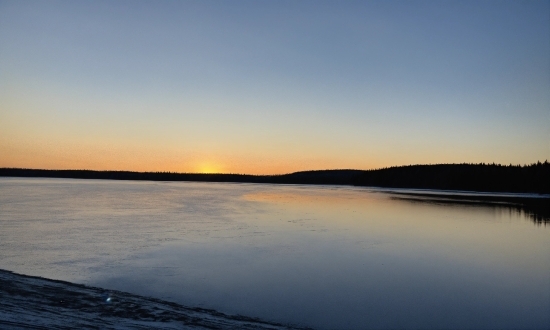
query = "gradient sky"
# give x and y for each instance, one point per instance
(268, 87)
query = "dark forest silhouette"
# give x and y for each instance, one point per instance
(534, 178)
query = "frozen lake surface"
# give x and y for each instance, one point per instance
(318, 256)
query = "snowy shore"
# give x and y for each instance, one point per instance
(28, 302)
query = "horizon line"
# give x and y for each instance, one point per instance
(303, 171)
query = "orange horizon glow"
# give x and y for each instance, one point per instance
(164, 163)
(191, 167)
(354, 86)
(92, 157)
(78, 153)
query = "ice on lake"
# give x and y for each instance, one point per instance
(319, 256)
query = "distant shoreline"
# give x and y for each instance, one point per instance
(484, 178)
(521, 188)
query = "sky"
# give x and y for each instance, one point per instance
(269, 87)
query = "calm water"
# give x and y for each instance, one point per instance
(325, 257)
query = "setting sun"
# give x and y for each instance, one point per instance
(209, 168)
(275, 164)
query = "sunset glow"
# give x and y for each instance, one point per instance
(209, 168)
(272, 87)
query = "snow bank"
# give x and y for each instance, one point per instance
(28, 302)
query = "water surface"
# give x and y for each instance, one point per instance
(325, 257)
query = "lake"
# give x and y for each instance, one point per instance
(327, 257)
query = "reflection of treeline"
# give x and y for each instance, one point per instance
(536, 209)
(534, 178)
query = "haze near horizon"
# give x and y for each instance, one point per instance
(272, 87)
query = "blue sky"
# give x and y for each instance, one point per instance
(272, 86)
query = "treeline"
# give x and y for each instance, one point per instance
(534, 178)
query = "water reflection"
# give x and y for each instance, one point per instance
(537, 210)
(325, 257)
